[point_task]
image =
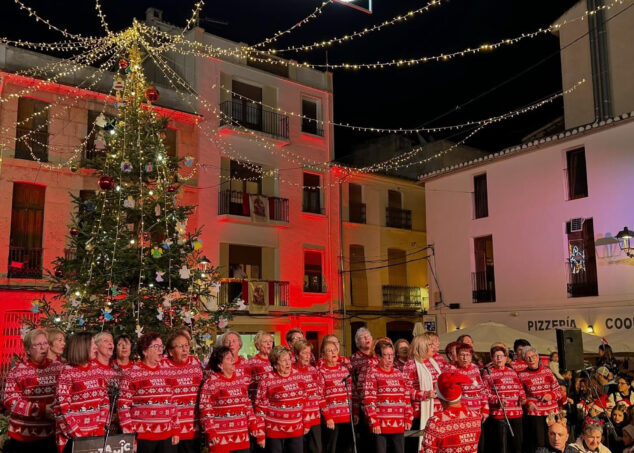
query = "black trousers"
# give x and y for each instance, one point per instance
(535, 432)
(285, 445)
(388, 443)
(312, 440)
(155, 446)
(498, 437)
(338, 440)
(188, 446)
(364, 434)
(38, 446)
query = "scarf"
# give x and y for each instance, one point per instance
(426, 383)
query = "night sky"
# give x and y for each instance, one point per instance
(429, 94)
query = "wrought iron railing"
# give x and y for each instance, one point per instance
(356, 212)
(31, 144)
(277, 292)
(254, 117)
(398, 218)
(237, 203)
(25, 263)
(402, 297)
(483, 286)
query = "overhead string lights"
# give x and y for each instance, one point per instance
(102, 17)
(31, 12)
(193, 19)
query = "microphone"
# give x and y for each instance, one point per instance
(346, 378)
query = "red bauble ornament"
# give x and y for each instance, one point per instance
(123, 63)
(106, 183)
(171, 189)
(74, 231)
(59, 273)
(152, 94)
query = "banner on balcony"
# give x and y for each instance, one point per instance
(258, 297)
(259, 205)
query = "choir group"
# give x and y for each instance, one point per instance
(386, 397)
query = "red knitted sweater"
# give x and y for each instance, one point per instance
(315, 401)
(537, 384)
(146, 403)
(281, 401)
(386, 400)
(188, 377)
(336, 406)
(226, 413)
(418, 395)
(509, 388)
(345, 361)
(258, 367)
(454, 430)
(475, 396)
(82, 403)
(29, 390)
(360, 363)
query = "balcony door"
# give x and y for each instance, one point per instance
(27, 227)
(246, 104)
(32, 130)
(397, 270)
(484, 276)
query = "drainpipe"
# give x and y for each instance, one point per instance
(342, 284)
(599, 61)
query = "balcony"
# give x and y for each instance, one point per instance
(277, 294)
(236, 203)
(407, 297)
(398, 218)
(25, 263)
(483, 286)
(31, 144)
(581, 282)
(255, 117)
(356, 212)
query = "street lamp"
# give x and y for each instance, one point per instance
(625, 241)
(355, 4)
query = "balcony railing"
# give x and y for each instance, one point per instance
(237, 203)
(398, 218)
(25, 263)
(31, 144)
(254, 117)
(483, 286)
(581, 282)
(356, 212)
(231, 289)
(403, 297)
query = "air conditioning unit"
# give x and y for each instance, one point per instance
(576, 225)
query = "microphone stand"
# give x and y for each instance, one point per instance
(349, 395)
(495, 389)
(113, 403)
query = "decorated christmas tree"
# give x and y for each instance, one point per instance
(134, 265)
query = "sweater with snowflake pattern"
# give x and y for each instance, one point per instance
(417, 395)
(188, 377)
(343, 360)
(281, 402)
(360, 363)
(82, 403)
(146, 403)
(510, 390)
(258, 367)
(386, 400)
(315, 401)
(29, 390)
(454, 430)
(475, 396)
(336, 406)
(537, 384)
(226, 414)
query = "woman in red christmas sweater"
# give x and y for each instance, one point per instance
(542, 396)
(29, 395)
(146, 403)
(512, 397)
(259, 365)
(82, 402)
(337, 434)
(233, 341)
(281, 401)
(474, 396)
(314, 395)
(56, 343)
(386, 401)
(105, 349)
(331, 338)
(187, 373)
(122, 352)
(226, 414)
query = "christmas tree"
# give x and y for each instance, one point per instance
(134, 266)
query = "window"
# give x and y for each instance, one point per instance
(358, 276)
(313, 276)
(483, 279)
(95, 146)
(246, 105)
(581, 261)
(480, 200)
(395, 215)
(356, 209)
(576, 173)
(32, 130)
(27, 225)
(311, 117)
(311, 199)
(170, 142)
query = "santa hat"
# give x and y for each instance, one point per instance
(449, 386)
(599, 405)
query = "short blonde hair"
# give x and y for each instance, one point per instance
(257, 340)
(30, 336)
(300, 345)
(420, 345)
(226, 334)
(52, 333)
(101, 335)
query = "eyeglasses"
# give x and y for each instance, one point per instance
(157, 347)
(40, 345)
